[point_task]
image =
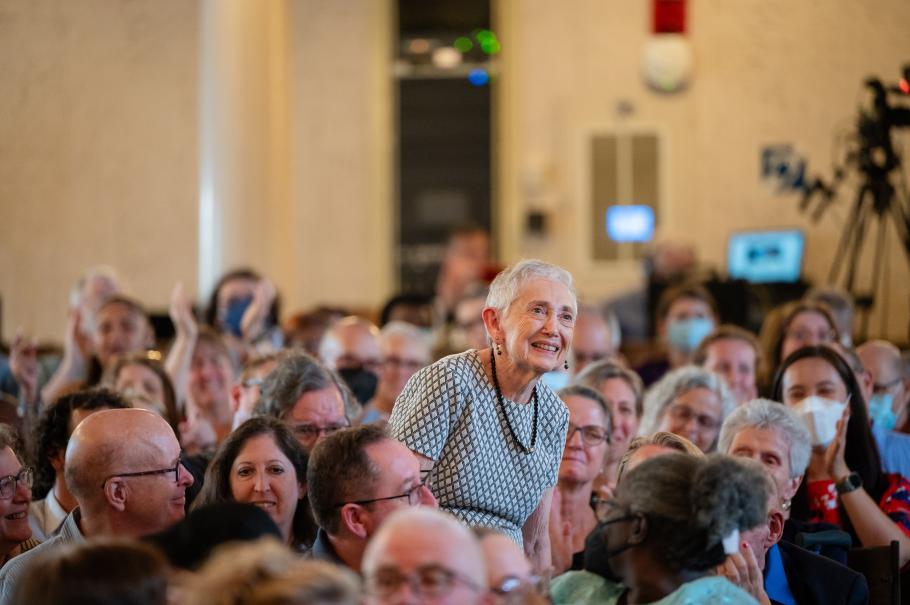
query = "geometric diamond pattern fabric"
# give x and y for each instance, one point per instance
(448, 412)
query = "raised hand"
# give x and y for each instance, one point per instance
(835, 463)
(252, 324)
(181, 312)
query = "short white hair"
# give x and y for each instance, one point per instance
(402, 329)
(676, 383)
(505, 287)
(771, 416)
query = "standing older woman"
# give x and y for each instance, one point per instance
(587, 441)
(487, 430)
(261, 463)
(623, 391)
(690, 402)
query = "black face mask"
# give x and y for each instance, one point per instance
(598, 552)
(361, 382)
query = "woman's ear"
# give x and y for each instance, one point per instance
(493, 323)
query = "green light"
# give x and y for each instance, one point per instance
(463, 44)
(483, 35)
(491, 47)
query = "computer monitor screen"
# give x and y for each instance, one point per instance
(630, 223)
(766, 256)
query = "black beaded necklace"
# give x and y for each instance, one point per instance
(502, 406)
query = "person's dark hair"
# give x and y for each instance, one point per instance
(52, 433)
(687, 290)
(729, 332)
(217, 485)
(188, 543)
(405, 300)
(211, 311)
(101, 572)
(691, 504)
(9, 437)
(340, 470)
(774, 329)
(153, 364)
(580, 390)
(294, 376)
(861, 454)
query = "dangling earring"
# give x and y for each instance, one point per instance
(786, 505)
(565, 364)
(498, 350)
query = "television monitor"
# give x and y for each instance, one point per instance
(766, 256)
(630, 223)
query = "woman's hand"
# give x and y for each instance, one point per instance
(561, 537)
(23, 361)
(252, 325)
(835, 463)
(181, 313)
(742, 569)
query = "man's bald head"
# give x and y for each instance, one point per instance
(880, 356)
(114, 441)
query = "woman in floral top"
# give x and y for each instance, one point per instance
(845, 484)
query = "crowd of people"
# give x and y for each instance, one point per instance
(497, 443)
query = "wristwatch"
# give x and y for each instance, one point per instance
(849, 483)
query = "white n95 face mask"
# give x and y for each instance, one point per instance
(820, 416)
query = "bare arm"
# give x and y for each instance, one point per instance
(180, 356)
(536, 534)
(73, 368)
(872, 525)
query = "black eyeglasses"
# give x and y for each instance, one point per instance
(413, 496)
(310, 432)
(427, 581)
(591, 434)
(8, 483)
(160, 471)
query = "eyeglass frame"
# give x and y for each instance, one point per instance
(413, 492)
(413, 581)
(681, 411)
(320, 430)
(161, 471)
(573, 428)
(16, 479)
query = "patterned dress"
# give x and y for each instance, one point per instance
(448, 412)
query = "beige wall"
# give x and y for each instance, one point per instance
(99, 136)
(766, 72)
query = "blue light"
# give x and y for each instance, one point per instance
(630, 223)
(479, 77)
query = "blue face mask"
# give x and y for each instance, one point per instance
(686, 334)
(234, 315)
(880, 411)
(556, 379)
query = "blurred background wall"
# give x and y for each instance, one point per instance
(103, 151)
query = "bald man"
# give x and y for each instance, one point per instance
(123, 467)
(351, 347)
(422, 555)
(593, 339)
(890, 391)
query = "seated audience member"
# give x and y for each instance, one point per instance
(623, 391)
(244, 308)
(429, 556)
(121, 326)
(509, 574)
(779, 572)
(840, 303)
(467, 330)
(404, 350)
(414, 309)
(735, 354)
(691, 402)
(146, 384)
(587, 441)
(312, 399)
(246, 390)
(845, 484)
(685, 315)
(51, 437)
(123, 467)
(15, 495)
(464, 265)
(267, 573)
(595, 338)
(188, 543)
(672, 521)
(357, 477)
(890, 400)
(653, 445)
(304, 330)
(102, 572)
(790, 327)
(351, 348)
(209, 411)
(261, 463)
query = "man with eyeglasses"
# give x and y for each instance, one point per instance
(593, 340)
(312, 399)
(424, 556)
(404, 351)
(123, 467)
(356, 478)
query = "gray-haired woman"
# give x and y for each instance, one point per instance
(489, 433)
(691, 402)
